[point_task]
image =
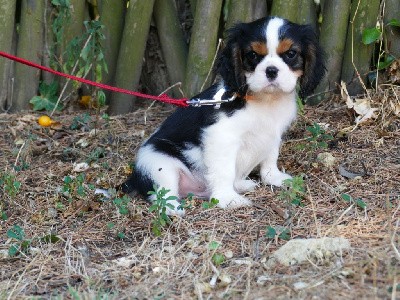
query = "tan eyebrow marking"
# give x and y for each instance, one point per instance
(284, 45)
(259, 47)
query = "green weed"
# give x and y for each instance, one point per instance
(293, 191)
(82, 55)
(159, 207)
(20, 245)
(3, 215)
(280, 233)
(122, 204)
(319, 138)
(217, 258)
(358, 202)
(210, 204)
(374, 35)
(48, 97)
(95, 155)
(118, 233)
(75, 187)
(9, 184)
(186, 203)
(81, 121)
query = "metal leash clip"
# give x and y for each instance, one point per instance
(217, 101)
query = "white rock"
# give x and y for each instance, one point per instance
(327, 159)
(300, 285)
(243, 261)
(263, 279)
(83, 143)
(300, 250)
(203, 287)
(124, 262)
(103, 192)
(80, 167)
(225, 279)
(228, 254)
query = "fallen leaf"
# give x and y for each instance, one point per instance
(361, 106)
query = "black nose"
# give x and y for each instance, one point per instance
(272, 72)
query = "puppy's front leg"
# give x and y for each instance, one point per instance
(220, 155)
(270, 173)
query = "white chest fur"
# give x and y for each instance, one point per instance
(252, 131)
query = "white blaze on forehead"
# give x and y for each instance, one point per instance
(272, 34)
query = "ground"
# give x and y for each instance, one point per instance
(71, 243)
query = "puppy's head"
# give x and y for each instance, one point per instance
(271, 55)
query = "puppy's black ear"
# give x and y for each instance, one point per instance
(229, 63)
(314, 69)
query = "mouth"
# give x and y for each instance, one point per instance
(270, 87)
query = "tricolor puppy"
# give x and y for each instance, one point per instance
(210, 152)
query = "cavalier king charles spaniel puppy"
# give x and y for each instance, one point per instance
(210, 151)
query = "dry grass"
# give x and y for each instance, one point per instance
(90, 261)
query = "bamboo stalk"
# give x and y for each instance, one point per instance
(130, 58)
(287, 9)
(174, 47)
(335, 20)
(203, 44)
(112, 15)
(357, 56)
(308, 13)
(30, 44)
(392, 11)
(7, 16)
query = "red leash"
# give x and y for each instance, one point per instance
(163, 98)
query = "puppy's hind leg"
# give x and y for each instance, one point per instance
(164, 173)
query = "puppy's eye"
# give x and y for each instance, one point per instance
(291, 54)
(252, 55)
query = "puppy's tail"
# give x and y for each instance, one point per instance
(137, 183)
(126, 187)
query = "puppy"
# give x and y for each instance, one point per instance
(210, 152)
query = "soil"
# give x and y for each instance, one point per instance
(81, 245)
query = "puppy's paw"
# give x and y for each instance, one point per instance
(275, 178)
(243, 186)
(231, 200)
(175, 211)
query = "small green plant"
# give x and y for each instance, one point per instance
(20, 245)
(217, 257)
(374, 35)
(22, 166)
(300, 105)
(186, 203)
(48, 97)
(159, 207)
(9, 184)
(95, 155)
(3, 215)
(81, 121)
(210, 204)
(358, 202)
(122, 204)
(280, 233)
(50, 239)
(61, 21)
(319, 137)
(106, 117)
(119, 234)
(293, 190)
(75, 187)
